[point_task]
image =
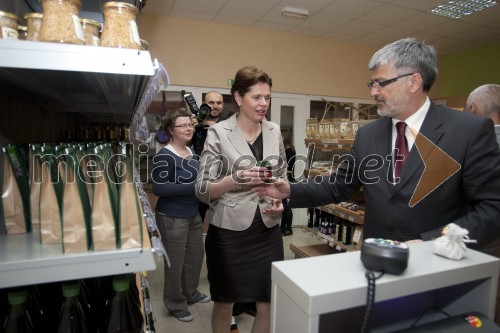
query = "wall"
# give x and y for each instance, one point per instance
(464, 71)
(199, 53)
(206, 54)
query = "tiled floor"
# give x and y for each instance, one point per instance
(202, 311)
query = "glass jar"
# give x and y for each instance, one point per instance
(91, 31)
(61, 23)
(22, 32)
(34, 22)
(8, 25)
(120, 26)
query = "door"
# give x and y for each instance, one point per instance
(291, 115)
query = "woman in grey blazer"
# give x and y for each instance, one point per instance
(242, 240)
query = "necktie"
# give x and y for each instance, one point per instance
(402, 147)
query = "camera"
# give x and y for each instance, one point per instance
(202, 113)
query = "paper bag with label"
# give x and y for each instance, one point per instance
(51, 188)
(76, 208)
(104, 216)
(130, 217)
(15, 193)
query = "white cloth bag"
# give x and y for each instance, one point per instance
(452, 242)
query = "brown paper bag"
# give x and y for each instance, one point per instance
(15, 194)
(103, 217)
(50, 212)
(75, 209)
(130, 216)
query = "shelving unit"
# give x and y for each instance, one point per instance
(327, 147)
(99, 83)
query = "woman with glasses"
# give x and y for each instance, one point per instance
(242, 239)
(175, 169)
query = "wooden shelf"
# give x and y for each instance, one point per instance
(326, 239)
(353, 216)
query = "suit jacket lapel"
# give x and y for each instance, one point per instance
(237, 137)
(429, 129)
(383, 143)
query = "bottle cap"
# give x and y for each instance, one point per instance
(121, 283)
(17, 297)
(71, 289)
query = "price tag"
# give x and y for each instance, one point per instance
(338, 248)
(357, 236)
(351, 218)
(331, 244)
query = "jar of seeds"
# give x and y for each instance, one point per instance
(8, 25)
(34, 22)
(120, 25)
(22, 31)
(61, 23)
(91, 31)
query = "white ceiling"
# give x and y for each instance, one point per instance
(376, 22)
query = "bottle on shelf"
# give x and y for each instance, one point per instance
(125, 315)
(18, 319)
(317, 215)
(72, 317)
(310, 217)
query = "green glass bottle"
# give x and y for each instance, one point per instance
(125, 315)
(18, 319)
(72, 317)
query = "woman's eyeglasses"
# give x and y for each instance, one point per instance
(185, 126)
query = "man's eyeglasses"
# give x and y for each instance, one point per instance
(381, 84)
(185, 126)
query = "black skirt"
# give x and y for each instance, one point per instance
(239, 262)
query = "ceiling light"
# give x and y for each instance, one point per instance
(455, 9)
(295, 12)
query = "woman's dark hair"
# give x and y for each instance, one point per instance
(168, 121)
(246, 77)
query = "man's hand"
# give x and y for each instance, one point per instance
(279, 189)
(276, 209)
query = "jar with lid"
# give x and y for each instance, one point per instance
(34, 22)
(120, 25)
(22, 32)
(8, 25)
(91, 31)
(61, 23)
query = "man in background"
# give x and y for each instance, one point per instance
(215, 100)
(485, 101)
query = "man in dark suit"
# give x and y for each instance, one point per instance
(450, 174)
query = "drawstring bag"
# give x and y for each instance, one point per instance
(452, 242)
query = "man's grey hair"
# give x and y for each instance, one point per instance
(408, 56)
(486, 98)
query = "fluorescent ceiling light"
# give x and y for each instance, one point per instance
(295, 12)
(457, 8)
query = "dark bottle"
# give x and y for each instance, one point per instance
(18, 319)
(310, 215)
(317, 216)
(72, 318)
(125, 315)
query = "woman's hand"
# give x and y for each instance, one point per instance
(254, 176)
